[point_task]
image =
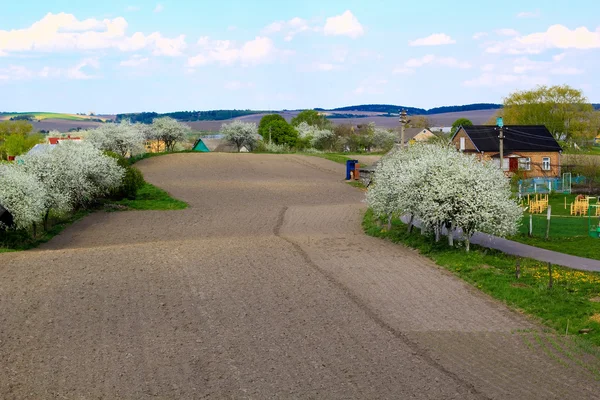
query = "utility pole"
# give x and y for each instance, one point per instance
(269, 134)
(403, 122)
(500, 124)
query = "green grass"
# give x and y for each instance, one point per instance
(21, 240)
(566, 304)
(46, 115)
(149, 197)
(568, 234)
(335, 157)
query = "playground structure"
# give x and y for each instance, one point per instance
(580, 206)
(538, 204)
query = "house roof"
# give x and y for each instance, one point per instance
(40, 148)
(410, 133)
(516, 138)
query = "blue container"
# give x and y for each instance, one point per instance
(350, 166)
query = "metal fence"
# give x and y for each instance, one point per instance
(550, 185)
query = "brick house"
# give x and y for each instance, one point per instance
(528, 149)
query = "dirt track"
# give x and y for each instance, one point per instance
(264, 288)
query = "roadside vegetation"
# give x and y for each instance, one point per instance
(42, 192)
(571, 305)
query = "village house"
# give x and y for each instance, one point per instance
(530, 150)
(412, 135)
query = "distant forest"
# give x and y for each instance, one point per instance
(186, 116)
(393, 109)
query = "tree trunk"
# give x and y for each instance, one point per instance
(451, 235)
(46, 220)
(467, 243)
(437, 232)
(410, 224)
(34, 230)
(389, 223)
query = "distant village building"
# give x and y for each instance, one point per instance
(528, 149)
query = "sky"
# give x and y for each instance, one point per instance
(114, 57)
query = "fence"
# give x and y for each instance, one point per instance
(550, 185)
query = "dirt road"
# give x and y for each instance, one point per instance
(264, 288)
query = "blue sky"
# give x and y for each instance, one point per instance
(114, 56)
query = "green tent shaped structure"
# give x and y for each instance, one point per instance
(200, 146)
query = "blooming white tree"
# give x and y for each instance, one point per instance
(22, 195)
(123, 138)
(443, 188)
(77, 172)
(168, 131)
(240, 134)
(53, 173)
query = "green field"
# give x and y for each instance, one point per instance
(46, 115)
(568, 234)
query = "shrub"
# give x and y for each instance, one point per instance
(133, 180)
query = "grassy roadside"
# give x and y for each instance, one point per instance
(11, 241)
(149, 197)
(572, 304)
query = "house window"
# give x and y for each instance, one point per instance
(462, 144)
(506, 164)
(546, 163)
(525, 163)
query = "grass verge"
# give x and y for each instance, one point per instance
(572, 304)
(21, 240)
(149, 197)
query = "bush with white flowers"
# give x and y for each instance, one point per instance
(22, 195)
(443, 188)
(124, 138)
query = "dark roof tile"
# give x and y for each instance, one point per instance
(516, 138)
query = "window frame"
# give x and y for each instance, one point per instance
(548, 164)
(525, 165)
(463, 143)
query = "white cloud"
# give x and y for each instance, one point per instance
(559, 57)
(529, 14)
(135, 61)
(64, 32)
(479, 35)
(450, 62)
(76, 72)
(132, 8)
(19, 73)
(237, 85)
(500, 80)
(488, 67)
(556, 37)
(345, 24)
(289, 28)
(507, 32)
(159, 8)
(226, 52)
(437, 39)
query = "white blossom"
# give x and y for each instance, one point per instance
(240, 134)
(78, 173)
(168, 131)
(443, 188)
(123, 138)
(22, 195)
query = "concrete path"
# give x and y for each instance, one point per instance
(265, 287)
(524, 250)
